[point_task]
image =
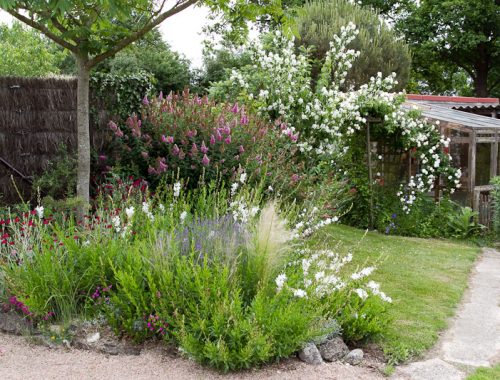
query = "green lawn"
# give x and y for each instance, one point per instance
(425, 278)
(486, 374)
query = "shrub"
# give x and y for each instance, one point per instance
(380, 48)
(192, 137)
(495, 195)
(59, 178)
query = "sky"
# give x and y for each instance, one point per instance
(182, 31)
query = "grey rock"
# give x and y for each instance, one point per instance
(93, 338)
(13, 323)
(354, 357)
(81, 344)
(333, 349)
(110, 349)
(310, 354)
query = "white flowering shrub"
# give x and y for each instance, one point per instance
(323, 120)
(327, 278)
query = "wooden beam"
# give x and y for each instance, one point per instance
(494, 158)
(472, 165)
(370, 174)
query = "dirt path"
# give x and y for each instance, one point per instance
(21, 360)
(473, 339)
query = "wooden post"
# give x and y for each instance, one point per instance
(472, 166)
(370, 174)
(494, 157)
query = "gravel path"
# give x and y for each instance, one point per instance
(473, 339)
(21, 360)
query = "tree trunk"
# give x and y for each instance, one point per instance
(82, 121)
(481, 66)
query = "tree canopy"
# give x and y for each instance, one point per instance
(27, 53)
(446, 36)
(380, 48)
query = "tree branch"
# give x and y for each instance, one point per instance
(44, 30)
(140, 33)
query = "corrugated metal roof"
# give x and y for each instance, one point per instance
(457, 102)
(449, 115)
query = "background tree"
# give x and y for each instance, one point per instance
(27, 53)
(453, 36)
(152, 55)
(380, 49)
(96, 30)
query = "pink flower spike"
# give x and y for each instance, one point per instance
(228, 140)
(175, 150)
(145, 101)
(235, 108)
(204, 148)
(244, 120)
(170, 139)
(205, 161)
(194, 149)
(163, 138)
(182, 154)
(113, 126)
(212, 140)
(241, 149)
(160, 97)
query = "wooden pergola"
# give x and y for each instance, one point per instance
(474, 148)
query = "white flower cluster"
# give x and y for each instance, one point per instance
(147, 211)
(309, 222)
(321, 275)
(325, 115)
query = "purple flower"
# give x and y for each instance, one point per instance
(182, 154)
(205, 161)
(235, 108)
(145, 101)
(160, 97)
(241, 149)
(212, 140)
(203, 147)
(103, 157)
(162, 165)
(163, 138)
(194, 149)
(113, 126)
(244, 120)
(175, 150)
(228, 140)
(295, 178)
(170, 139)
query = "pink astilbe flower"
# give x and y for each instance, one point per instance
(212, 140)
(145, 101)
(175, 150)
(228, 139)
(204, 148)
(205, 161)
(235, 108)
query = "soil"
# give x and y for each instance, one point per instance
(20, 359)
